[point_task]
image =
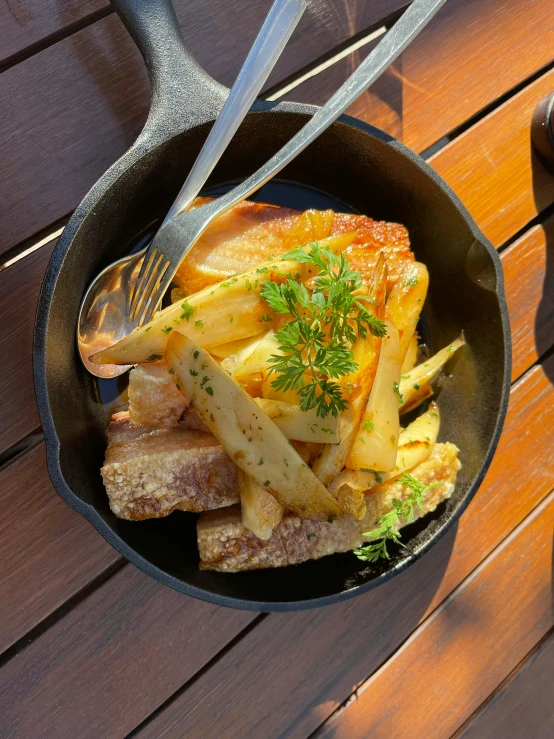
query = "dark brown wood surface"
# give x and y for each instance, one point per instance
(523, 706)
(97, 100)
(96, 648)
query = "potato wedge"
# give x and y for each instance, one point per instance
(424, 392)
(411, 355)
(260, 511)
(222, 351)
(255, 359)
(376, 440)
(410, 383)
(230, 310)
(366, 353)
(415, 444)
(405, 302)
(300, 425)
(249, 437)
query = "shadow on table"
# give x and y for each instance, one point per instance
(544, 322)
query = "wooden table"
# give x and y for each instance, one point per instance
(462, 643)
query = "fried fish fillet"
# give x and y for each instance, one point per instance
(149, 473)
(226, 546)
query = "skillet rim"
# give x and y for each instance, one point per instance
(52, 442)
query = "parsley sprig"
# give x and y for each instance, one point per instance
(387, 526)
(316, 344)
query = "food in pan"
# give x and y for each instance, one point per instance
(272, 395)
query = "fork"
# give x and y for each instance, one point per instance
(178, 235)
(281, 20)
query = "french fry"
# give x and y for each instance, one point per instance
(254, 359)
(249, 437)
(411, 355)
(300, 425)
(424, 392)
(260, 511)
(222, 351)
(366, 354)
(411, 383)
(406, 300)
(415, 444)
(376, 440)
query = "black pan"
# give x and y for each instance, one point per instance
(352, 166)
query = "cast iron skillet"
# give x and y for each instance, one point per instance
(352, 164)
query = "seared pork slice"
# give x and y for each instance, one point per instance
(250, 233)
(151, 473)
(225, 545)
(153, 398)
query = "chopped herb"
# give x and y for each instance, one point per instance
(205, 379)
(178, 387)
(367, 425)
(147, 329)
(387, 526)
(188, 310)
(412, 282)
(261, 462)
(194, 373)
(199, 324)
(231, 319)
(405, 377)
(396, 388)
(261, 270)
(434, 415)
(170, 371)
(267, 318)
(209, 390)
(416, 386)
(248, 285)
(392, 439)
(167, 330)
(362, 439)
(373, 472)
(154, 357)
(195, 355)
(267, 482)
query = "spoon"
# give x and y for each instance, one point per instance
(104, 315)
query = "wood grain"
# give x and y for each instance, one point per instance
(49, 552)
(493, 168)
(455, 659)
(529, 284)
(19, 291)
(217, 33)
(523, 707)
(53, 150)
(294, 670)
(470, 54)
(111, 661)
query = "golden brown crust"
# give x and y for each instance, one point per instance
(225, 545)
(151, 473)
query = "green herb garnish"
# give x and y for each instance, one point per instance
(316, 344)
(387, 526)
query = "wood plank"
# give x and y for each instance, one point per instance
(523, 706)
(53, 151)
(19, 291)
(49, 552)
(208, 27)
(493, 168)
(529, 286)
(442, 79)
(455, 659)
(111, 661)
(295, 669)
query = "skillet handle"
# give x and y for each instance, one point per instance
(183, 95)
